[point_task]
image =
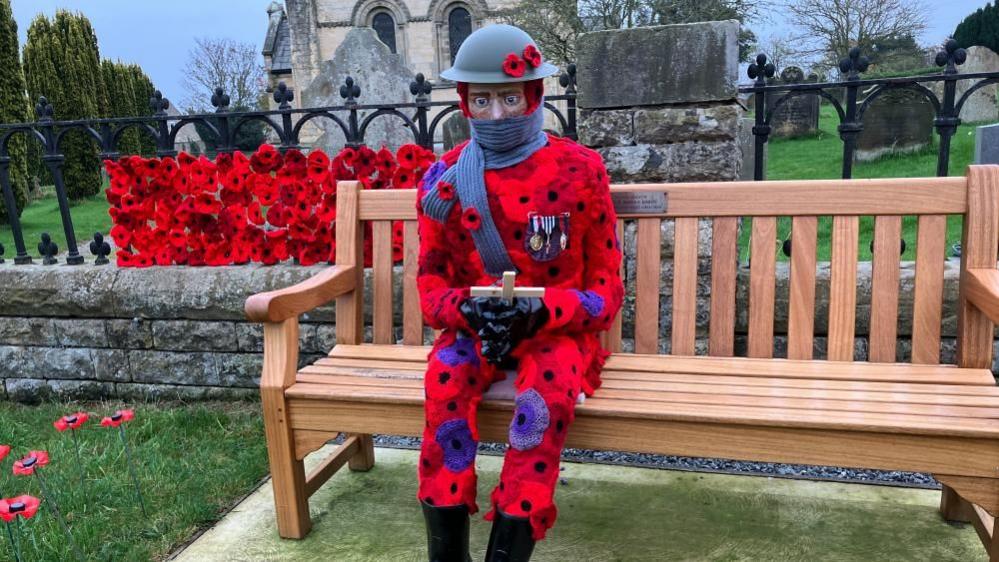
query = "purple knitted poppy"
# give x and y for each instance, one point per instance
(459, 352)
(455, 438)
(591, 301)
(434, 173)
(530, 420)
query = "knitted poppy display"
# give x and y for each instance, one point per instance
(555, 217)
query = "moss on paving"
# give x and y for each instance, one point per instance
(609, 513)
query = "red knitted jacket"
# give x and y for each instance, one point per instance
(583, 287)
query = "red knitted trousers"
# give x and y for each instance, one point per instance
(549, 378)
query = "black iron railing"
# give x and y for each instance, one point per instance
(851, 109)
(224, 125)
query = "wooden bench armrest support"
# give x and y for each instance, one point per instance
(282, 304)
(982, 289)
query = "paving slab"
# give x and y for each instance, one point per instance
(608, 513)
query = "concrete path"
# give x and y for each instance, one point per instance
(608, 513)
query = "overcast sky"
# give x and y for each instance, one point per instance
(158, 35)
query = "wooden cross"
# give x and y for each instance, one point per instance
(507, 290)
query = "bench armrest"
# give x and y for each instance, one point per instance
(282, 304)
(981, 287)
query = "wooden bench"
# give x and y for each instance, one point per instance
(877, 414)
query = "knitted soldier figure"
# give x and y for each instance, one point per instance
(513, 198)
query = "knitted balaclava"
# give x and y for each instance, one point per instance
(533, 91)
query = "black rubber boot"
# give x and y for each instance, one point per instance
(510, 540)
(447, 532)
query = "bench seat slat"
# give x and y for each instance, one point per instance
(391, 387)
(372, 355)
(683, 411)
(986, 406)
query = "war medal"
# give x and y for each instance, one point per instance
(536, 241)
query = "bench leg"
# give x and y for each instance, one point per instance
(953, 507)
(291, 502)
(364, 459)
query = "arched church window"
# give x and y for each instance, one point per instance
(459, 23)
(384, 26)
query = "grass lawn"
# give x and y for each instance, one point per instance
(89, 215)
(820, 156)
(193, 462)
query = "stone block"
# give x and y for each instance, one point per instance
(130, 334)
(81, 332)
(45, 362)
(158, 392)
(240, 369)
(64, 291)
(36, 391)
(987, 144)
(18, 330)
(194, 368)
(111, 364)
(663, 64)
(669, 124)
(188, 335)
(678, 162)
(615, 127)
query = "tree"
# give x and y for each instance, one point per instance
(555, 24)
(129, 90)
(780, 51)
(13, 107)
(62, 63)
(979, 29)
(827, 29)
(223, 63)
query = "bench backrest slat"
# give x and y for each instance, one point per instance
(801, 312)
(684, 328)
(732, 206)
(647, 276)
(843, 288)
(724, 259)
(884, 288)
(931, 242)
(381, 255)
(762, 281)
(412, 314)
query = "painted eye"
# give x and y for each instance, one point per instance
(512, 100)
(480, 102)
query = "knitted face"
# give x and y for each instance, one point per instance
(499, 101)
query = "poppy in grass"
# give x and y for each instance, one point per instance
(27, 465)
(71, 421)
(119, 417)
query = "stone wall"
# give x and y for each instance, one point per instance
(676, 121)
(173, 332)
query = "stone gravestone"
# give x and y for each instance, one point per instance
(455, 130)
(898, 121)
(981, 105)
(987, 144)
(798, 115)
(383, 78)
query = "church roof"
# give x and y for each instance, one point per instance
(277, 43)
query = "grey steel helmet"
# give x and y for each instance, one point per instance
(482, 54)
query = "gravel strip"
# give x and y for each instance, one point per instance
(669, 462)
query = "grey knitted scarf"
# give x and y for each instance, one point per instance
(495, 143)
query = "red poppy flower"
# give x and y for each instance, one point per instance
(266, 159)
(71, 421)
(408, 156)
(349, 156)
(4, 451)
(24, 506)
(514, 65)
(295, 162)
(27, 465)
(532, 56)
(404, 179)
(118, 418)
(470, 219)
(445, 190)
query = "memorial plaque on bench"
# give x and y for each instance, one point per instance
(632, 203)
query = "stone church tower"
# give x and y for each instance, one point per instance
(425, 33)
